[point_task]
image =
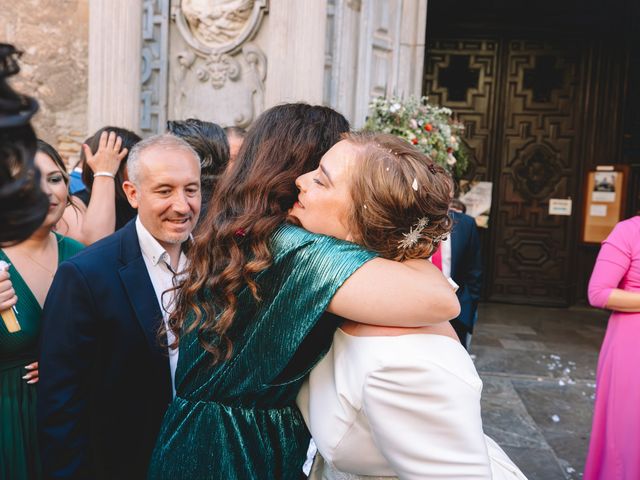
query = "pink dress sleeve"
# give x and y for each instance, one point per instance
(612, 263)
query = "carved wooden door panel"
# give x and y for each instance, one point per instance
(521, 103)
(462, 75)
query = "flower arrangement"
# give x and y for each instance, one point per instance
(430, 128)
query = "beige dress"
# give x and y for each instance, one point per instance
(403, 407)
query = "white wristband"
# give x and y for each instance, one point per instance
(104, 174)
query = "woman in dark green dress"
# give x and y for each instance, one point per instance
(32, 264)
(260, 304)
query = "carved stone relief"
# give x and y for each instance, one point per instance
(216, 73)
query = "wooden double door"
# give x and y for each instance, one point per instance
(522, 102)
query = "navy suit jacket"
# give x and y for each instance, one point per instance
(466, 266)
(104, 378)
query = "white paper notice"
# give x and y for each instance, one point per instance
(478, 199)
(598, 211)
(560, 206)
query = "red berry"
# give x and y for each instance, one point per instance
(428, 127)
(414, 141)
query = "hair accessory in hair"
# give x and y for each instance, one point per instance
(411, 238)
(432, 168)
(241, 232)
(414, 185)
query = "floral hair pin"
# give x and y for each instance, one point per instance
(411, 239)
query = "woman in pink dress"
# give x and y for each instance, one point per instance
(614, 452)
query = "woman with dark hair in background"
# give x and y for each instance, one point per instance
(33, 264)
(210, 143)
(22, 205)
(250, 316)
(235, 137)
(102, 208)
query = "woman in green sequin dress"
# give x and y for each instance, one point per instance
(33, 263)
(260, 304)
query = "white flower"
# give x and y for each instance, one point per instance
(451, 160)
(413, 123)
(394, 108)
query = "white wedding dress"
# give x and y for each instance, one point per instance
(403, 407)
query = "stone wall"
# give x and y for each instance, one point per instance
(54, 37)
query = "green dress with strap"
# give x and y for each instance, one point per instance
(238, 419)
(19, 459)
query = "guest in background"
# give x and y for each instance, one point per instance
(460, 259)
(457, 205)
(615, 285)
(75, 179)
(23, 206)
(105, 376)
(102, 208)
(210, 143)
(235, 136)
(33, 264)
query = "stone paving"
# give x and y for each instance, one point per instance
(538, 368)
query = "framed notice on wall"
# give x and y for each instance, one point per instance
(604, 201)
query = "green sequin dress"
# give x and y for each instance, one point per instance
(238, 419)
(19, 459)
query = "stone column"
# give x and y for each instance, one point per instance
(412, 43)
(115, 36)
(296, 51)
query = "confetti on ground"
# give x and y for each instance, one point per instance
(555, 418)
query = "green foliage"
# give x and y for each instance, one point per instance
(430, 128)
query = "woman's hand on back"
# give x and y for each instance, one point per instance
(387, 293)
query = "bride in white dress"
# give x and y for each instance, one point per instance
(388, 402)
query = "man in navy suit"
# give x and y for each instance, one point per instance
(460, 259)
(105, 375)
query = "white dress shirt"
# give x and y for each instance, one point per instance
(158, 263)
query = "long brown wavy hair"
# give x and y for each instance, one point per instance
(231, 244)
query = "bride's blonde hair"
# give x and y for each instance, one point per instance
(400, 197)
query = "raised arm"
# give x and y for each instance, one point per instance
(99, 219)
(387, 293)
(68, 347)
